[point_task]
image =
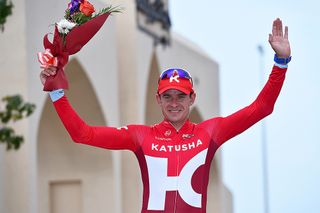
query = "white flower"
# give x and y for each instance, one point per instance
(64, 26)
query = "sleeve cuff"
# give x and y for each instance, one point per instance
(282, 66)
(56, 94)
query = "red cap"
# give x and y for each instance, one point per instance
(175, 82)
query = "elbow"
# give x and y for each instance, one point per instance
(267, 110)
(81, 134)
(82, 137)
(76, 139)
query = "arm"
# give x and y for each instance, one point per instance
(99, 136)
(80, 132)
(224, 128)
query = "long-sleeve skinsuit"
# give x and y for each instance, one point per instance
(174, 164)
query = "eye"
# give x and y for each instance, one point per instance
(182, 96)
(167, 97)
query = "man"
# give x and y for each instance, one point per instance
(175, 155)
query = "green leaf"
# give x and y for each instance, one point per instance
(5, 11)
(16, 141)
(67, 14)
(15, 109)
(6, 117)
(8, 136)
(13, 102)
(110, 9)
(5, 133)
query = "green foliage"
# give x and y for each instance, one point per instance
(5, 10)
(110, 9)
(80, 18)
(15, 109)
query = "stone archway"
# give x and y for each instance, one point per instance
(153, 113)
(69, 173)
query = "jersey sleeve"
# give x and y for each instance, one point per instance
(99, 136)
(222, 129)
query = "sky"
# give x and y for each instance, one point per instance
(229, 32)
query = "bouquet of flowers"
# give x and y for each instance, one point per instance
(79, 25)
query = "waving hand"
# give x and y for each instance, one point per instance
(279, 41)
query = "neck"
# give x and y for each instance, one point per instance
(178, 125)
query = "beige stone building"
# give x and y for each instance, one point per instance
(112, 82)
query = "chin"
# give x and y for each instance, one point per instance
(176, 119)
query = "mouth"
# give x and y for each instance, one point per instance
(175, 110)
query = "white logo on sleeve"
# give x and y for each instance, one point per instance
(160, 183)
(123, 127)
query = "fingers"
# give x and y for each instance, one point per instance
(277, 28)
(286, 32)
(270, 38)
(274, 28)
(49, 71)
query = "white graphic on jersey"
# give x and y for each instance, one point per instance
(123, 127)
(187, 136)
(160, 183)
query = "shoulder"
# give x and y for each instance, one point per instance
(209, 122)
(138, 129)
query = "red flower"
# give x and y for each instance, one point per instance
(86, 8)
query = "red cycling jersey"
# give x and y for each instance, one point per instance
(174, 164)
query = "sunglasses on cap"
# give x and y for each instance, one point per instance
(174, 72)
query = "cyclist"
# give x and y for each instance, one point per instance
(175, 155)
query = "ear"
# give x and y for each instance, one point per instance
(192, 98)
(158, 98)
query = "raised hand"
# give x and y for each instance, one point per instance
(279, 41)
(45, 73)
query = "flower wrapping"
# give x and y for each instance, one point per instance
(70, 35)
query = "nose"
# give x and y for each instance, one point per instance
(174, 102)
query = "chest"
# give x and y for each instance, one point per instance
(174, 150)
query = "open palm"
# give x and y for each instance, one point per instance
(279, 41)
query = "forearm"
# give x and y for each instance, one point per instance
(234, 124)
(81, 132)
(264, 103)
(78, 130)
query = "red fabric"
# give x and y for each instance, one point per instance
(74, 41)
(186, 154)
(184, 85)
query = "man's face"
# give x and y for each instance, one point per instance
(175, 106)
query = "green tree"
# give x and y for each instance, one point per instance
(5, 11)
(15, 109)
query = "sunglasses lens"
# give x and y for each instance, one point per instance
(172, 72)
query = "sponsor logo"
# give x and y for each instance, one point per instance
(162, 139)
(167, 133)
(175, 77)
(187, 136)
(177, 148)
(160, 183)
